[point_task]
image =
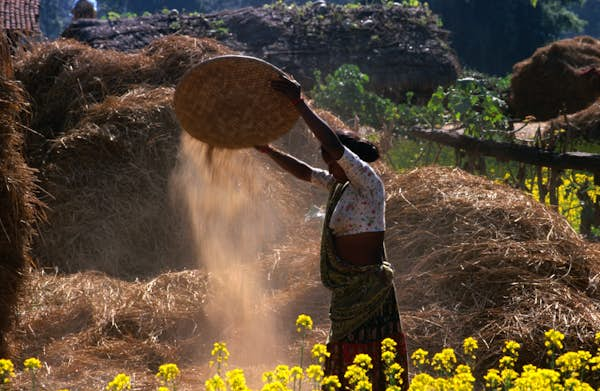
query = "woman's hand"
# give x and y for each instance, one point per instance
(288, 87)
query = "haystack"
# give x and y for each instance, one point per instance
(17, 202)
(65, 77)
(476, 258)
(105, 141)
(560, 78)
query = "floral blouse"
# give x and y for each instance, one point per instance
(362, 205)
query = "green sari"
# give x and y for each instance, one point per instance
(357, 292)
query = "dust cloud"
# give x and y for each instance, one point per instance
(231, 222)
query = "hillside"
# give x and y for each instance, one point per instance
(401, 48)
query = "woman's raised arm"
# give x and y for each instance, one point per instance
(322, 131)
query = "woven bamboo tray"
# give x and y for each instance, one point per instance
(228, 102)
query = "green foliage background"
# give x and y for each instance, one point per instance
(475, 103)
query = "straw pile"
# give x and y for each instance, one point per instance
(91, 326)
(105, 142)
(65, 77)
(475, 258)
(17, 202)
(560, 78)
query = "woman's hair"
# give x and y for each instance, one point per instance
(365, 150)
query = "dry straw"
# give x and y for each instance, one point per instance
(557, 79)
(476, 258)
(228, 102)
(18, 205)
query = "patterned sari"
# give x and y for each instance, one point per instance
(363, 308)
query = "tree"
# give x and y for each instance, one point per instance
(491, 36)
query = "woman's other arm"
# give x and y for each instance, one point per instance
(296, 167)
(322, 131)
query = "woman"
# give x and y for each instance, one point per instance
(353, 261)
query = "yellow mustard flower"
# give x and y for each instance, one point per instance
(32, 364)
(422, 382)
(388, 345)
(7, 371)
(444, 361)
(393, 374)
(268, 377)
(314, 372)
(508, 377)
(296, 373)
(363, 360)
(419, 358)
(573, 384)
(215, 383)
(354, 374)
(493, 380)
(511, 348)
(363, 385)
(507, 362)
(163, 388)
(553, 341)
(331, 383)
(236, 380)
(572, 363)
(533, 378)
(469, 347)
(167, 373)
(304, 322)
(320, 353)
(282, 374)
(388, 357)
(274, 386)
(220, 352)
(119, 383)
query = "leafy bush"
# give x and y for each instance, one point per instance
(477, 104)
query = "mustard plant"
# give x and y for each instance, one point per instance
(121, 382)
(296, 376)
(221, 355)
(392, 370)
(7, 372)
(303, 324)
(470, 345)
(215, 383)
(444, 362)
(167, 376)
(553, 341)
(32, 365)
(357, 373)
(236, 380)
(315, 373)
(420, 359)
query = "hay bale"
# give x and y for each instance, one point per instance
(90, 324)
(560, 78)
(107, 185)
(491, 259)
(17, 201)
(63, 78)
(105, 142)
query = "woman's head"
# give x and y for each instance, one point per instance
(365, 150)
